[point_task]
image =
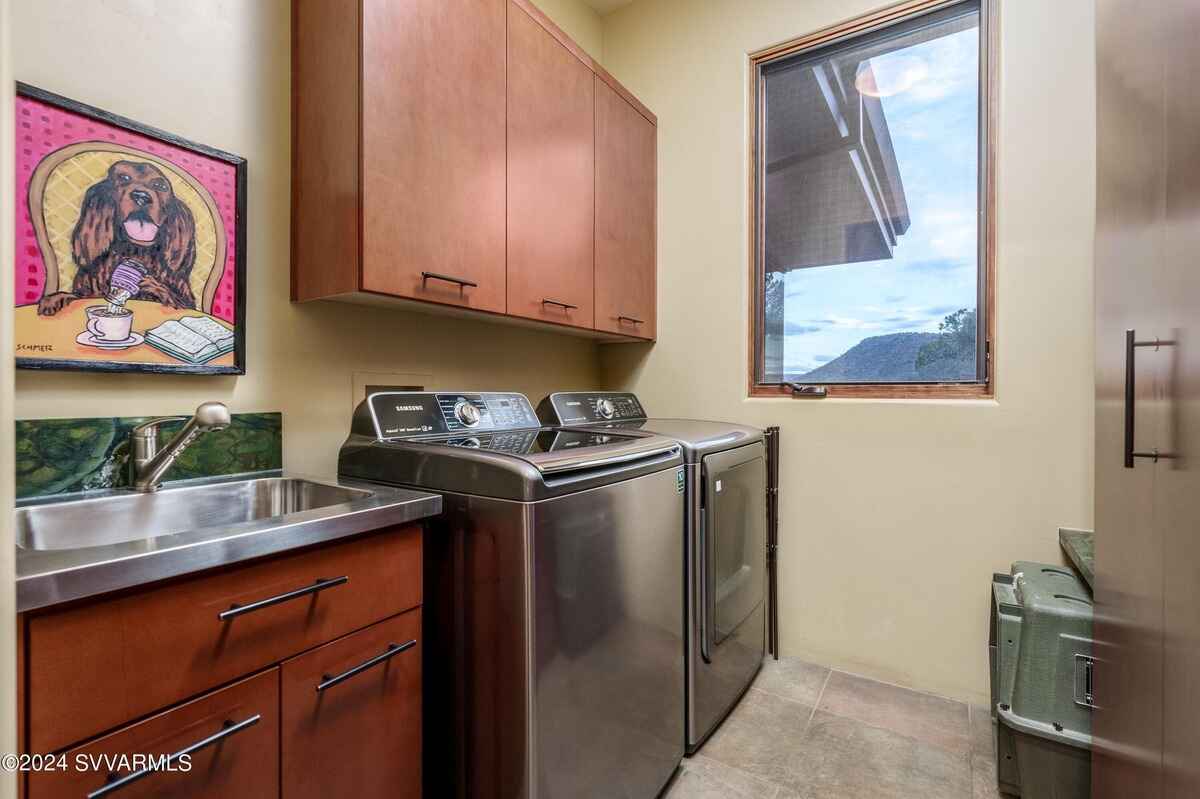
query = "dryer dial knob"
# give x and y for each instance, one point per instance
(606, 408)
(467, 413)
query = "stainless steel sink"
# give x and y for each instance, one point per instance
(120, 517)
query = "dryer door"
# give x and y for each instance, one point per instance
(735, 540)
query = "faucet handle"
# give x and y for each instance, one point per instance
(150, 429)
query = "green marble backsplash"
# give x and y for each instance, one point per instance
(58, 456)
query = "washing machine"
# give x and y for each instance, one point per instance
(553, 603)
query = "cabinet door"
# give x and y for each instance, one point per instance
(433, 150)
(1131, 292)
(550, 177)
(352, 715)
(233, 736)
(1176, 500)
(626, 176)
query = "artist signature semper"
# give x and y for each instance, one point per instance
(35, 348)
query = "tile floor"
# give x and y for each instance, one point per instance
(806, 732)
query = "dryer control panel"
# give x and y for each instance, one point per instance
(590, 407)
(404, 414)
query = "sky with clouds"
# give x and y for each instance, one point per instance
(934, 128)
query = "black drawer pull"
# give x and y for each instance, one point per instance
(631, 319)
(321, 584)
(566, 306)
(462, 284)
(230, 728)
(392, 651)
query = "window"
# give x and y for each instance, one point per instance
(871, 265)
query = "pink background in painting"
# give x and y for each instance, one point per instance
(42, 129)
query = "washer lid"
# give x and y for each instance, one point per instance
(423, 439)
(552, 450)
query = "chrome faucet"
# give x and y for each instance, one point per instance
(148, 463)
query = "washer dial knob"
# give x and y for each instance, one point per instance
(606, 409)
(467, 413)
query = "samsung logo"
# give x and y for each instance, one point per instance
(410, 407)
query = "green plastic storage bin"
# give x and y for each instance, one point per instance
(1041, 657)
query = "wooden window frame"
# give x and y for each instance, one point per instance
(988, 85)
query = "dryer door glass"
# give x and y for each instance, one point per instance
(737, 540)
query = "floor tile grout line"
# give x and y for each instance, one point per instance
(774, 695)
(817, 704)
(970, 752)
(969, 746)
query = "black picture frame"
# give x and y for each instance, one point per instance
(240, 320)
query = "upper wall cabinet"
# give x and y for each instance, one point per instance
(403, 194)
(626, 166)
(466, 154)
(433, 151)
(551, 177)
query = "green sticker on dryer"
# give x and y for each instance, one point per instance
(679, 480)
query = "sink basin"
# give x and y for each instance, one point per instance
(121, 517)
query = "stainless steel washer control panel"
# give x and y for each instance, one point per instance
(402, 414)
(590, 407)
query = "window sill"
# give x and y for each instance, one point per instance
(956, 391)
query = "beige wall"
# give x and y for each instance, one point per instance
(8, 682)
(219, 74)
(580, 21)
(895, 514)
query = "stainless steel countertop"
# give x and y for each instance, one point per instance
(49, 577)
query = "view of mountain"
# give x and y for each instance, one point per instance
(894, 358)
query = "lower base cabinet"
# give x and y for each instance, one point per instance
(231, 738)
(352, 715)
(294, 677)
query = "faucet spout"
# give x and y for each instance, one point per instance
(149, 463)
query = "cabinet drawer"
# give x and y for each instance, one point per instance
(243, 762)
(94, 667)
(351, 721)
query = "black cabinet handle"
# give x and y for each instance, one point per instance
(462, 284)
(320, 585)
(230, 728)
(631, 320)
(566, 306)
(391, 652)
(1131, 347)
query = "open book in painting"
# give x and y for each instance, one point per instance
(194, 339)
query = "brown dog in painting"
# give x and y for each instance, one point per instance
(132, 214)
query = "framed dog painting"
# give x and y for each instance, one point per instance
(131, 252)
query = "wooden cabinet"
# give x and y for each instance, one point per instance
(626, 205)
(1147, 411)
(352, 715)
(160, 645)
(152, 653)
(445, 156)
(231, 737)
(433, 150)
(398, 187)
(551, 166)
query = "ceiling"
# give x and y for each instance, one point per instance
(605, 6)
